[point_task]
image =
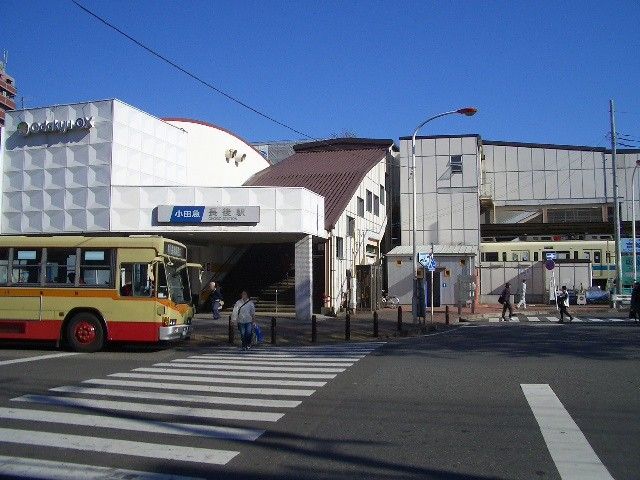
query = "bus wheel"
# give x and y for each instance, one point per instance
(85, 333)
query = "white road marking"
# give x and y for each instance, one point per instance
(242, 361)
(39, 357)
(595, 319)
(157, 409)
(617, 320)
(257, 368)
(553, 319)
(180, 397)
(34, 468)
(134, 424)
(576, 319)
(189, 375)
(569, 449)
(494, 320)
(117, 447)
(223, 373)
(514, 320)
(281, 356)
(203, 388)
(533, 319)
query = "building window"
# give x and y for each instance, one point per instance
(376, 205)
(339, 247)
(456, 163)
(360, 207)
(382, 195)
(351, 226)
(369, 201)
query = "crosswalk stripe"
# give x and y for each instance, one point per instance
(553, 319)
(616, 319)
(324, 350)
(533, 319)
(257, 368)
(203, 388)
(595, 319)
(17, 467)
(190, 377)
(576, 319)
(281, 356)
(223, 373)
(514, 320)
(156, 409)
(174, 397)
(119, 447)
(236, 361)
(494, 320)
(134, 424)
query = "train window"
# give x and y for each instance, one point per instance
(504, 256)
(597, 256)
(587, 255)
(608, 257)
(563, 255)
(535, 256)
(514, 257)
(575, 255)
(491, 256)
(522, 255)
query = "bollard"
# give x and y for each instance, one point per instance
(399, 318)
(273, 330)
(446, 314)
(375, 324)
(230, 331)
(314, 329)
(347, 327)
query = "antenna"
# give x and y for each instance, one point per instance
(5, 59)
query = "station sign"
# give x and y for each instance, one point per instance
(202, 214)
(54, 126)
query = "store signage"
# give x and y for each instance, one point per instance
(193, 214)
(55, 126)
(626, 245)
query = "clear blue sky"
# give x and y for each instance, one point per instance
(539, 71)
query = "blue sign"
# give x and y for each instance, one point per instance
(190, 214)
(425, 259)
(626, 245)
(187, 214)
(432, 266)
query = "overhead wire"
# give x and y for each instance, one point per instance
(190, 74)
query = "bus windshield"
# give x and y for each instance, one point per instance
(178, 282)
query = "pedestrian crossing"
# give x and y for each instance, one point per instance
(556, 319)
(186, 413)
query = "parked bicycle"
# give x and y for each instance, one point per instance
(389, 301)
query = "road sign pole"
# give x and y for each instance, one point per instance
(431, 296)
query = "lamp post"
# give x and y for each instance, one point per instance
(468, 111)
(633, 219)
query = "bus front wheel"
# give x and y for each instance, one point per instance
(84, 333)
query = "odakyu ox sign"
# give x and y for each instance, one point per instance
(55, 126)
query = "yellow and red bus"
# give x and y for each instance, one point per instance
(84, 291)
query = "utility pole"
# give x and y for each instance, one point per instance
(616, 199)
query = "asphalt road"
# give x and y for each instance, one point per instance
(447, 406)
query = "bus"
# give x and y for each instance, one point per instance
(82, 292)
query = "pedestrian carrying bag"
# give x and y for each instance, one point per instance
(501, 299)
(258, 332)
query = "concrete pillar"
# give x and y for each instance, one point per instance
(304, 279)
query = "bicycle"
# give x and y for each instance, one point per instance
(389, 301)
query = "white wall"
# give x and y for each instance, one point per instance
(208, 166)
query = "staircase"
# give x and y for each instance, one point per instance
(286, 297)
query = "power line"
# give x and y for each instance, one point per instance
(188, 73)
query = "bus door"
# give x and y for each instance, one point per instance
(137, 287)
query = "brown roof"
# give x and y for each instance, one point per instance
(331, 168)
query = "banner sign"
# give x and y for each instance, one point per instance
(208, 214)
(626, 245)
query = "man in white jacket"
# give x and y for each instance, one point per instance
(523, 295)
(244, 313)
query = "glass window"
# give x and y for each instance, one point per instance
(597, 256)
(178, 282)
(4, 265)
(95, 268)
(535, 256)
(339, 247)
(491, 256)
(504, 256)
(376, 205)
(136, 280)
(163, 288)
(382, 195)
(26, 266)
(456, 163)
(360, 207)
(61, 266)
(369, 201)
(351, 226)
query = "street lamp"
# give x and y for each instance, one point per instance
(467, 111)
(633, 218)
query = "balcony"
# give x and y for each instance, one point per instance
(7, 103)
(486, 194)
(9, 87)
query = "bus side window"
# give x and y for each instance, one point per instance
(26, 266)
(96, 268)
(4, 265)
(61, 266)
(136, 280)
(163, 288)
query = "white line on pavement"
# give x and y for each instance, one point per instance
(157, 409)
(595, 319)
(222, 373)
(569, 449)
(34, 468)
(494, 320)
(288, 392)
(553, 319)
(118, 447)
(254, 367)
(39, 357)
(189, 375)
(533, 319)
(279, 357)
(236, 361)
(134, 424)
(179, 397)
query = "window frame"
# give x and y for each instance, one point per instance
(383, 194)
(455, 165)
(340, 248)
(376, 205)
(75, 270)
(360, 206)
(83, 265)
(351, 226)
(369, 205)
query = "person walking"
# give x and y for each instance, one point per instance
(505, 300)
(244, 313)
(563, 304)
(523, 295)
(634, 309)
(216, 300)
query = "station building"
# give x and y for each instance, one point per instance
(471, 192)
(107, 168)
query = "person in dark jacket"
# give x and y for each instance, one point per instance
(216, 300)
(634, 311)
(505, 298)
(563, 304)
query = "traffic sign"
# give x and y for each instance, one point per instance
(425, 259)
(432, 266)
(550, 255)
(549, 264)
